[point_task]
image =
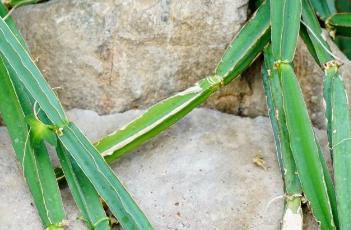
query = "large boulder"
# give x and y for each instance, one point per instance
(199, 174)
(116, 55)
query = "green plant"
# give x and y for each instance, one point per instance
(33, 115)
(76, 154)
(344, 42)
(273, 92)
(17, 3)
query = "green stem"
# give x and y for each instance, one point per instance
(293, 216)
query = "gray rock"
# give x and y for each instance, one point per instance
(199, 174)
(116, 55)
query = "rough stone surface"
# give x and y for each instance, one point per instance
(116, 55)
(197, 175)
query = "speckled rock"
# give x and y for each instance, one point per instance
(116, 55)
(197, 175)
